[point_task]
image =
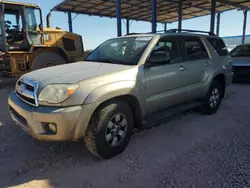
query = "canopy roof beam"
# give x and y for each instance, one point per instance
(140, 10)
(234, 4)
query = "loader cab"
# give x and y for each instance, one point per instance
(20, 27)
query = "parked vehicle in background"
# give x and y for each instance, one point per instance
(122, 82)
(231, 47)
(241, 61)
(25, 45)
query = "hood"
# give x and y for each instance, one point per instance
(241, 61)
(73, 72)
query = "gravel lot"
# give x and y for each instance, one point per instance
(193, 150)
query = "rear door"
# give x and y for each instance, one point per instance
(223, 55)
(196, 63)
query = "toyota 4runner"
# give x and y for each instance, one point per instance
(123, 81)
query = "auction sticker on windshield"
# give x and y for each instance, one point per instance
(143, 38)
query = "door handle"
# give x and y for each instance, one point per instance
(182, 68)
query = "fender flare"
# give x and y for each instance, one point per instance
(107, 92)
(113, 90)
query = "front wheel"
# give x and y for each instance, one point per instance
(213, 98)
(110, 129)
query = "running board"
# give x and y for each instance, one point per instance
(166, 115)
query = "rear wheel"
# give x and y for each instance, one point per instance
(47, 59)
(213, 98)
(110, 129)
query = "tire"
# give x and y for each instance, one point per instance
(47, 59)
(212, 101)
(98, 137)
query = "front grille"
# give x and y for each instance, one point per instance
(26, 90)
(27, 99)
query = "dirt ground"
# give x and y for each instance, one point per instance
(193, 150)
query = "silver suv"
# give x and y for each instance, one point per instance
(118, 86)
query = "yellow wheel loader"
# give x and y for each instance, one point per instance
(25, 45)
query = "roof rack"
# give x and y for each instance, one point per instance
(133, 34)
(190, 30)
(176, 31)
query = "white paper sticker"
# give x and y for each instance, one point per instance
(143, 38)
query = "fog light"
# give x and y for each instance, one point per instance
(52, 127)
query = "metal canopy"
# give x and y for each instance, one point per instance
(167, 10)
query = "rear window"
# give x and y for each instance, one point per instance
(219, 46)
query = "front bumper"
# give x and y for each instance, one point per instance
(34, 120)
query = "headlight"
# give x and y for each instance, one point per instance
(57, 93)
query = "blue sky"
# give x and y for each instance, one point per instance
(95, 30)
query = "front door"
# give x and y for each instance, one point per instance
(165, 82)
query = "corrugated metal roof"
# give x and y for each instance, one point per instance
(167, 10)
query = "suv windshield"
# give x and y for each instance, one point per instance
(126, 50)
(241, 51)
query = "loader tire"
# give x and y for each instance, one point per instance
(47, 59)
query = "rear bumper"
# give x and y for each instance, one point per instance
(35, 120)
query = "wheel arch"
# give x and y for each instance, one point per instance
(222, 80)
(132, 101)
(126, 91)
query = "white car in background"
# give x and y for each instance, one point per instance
(231, 47)
(241, 61)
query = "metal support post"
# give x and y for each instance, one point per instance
(244, 27)
(180, 17)
(127, 26)
(212, 21)
(218, 24)
(154, 15)
(165, 27)
(118, 17)
(70, 22)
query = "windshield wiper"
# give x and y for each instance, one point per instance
(110, 61)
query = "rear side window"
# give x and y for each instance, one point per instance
(195, 49)
(219, 46)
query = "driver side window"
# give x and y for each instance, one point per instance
(171, 47)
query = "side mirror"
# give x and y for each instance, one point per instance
(159, 58)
